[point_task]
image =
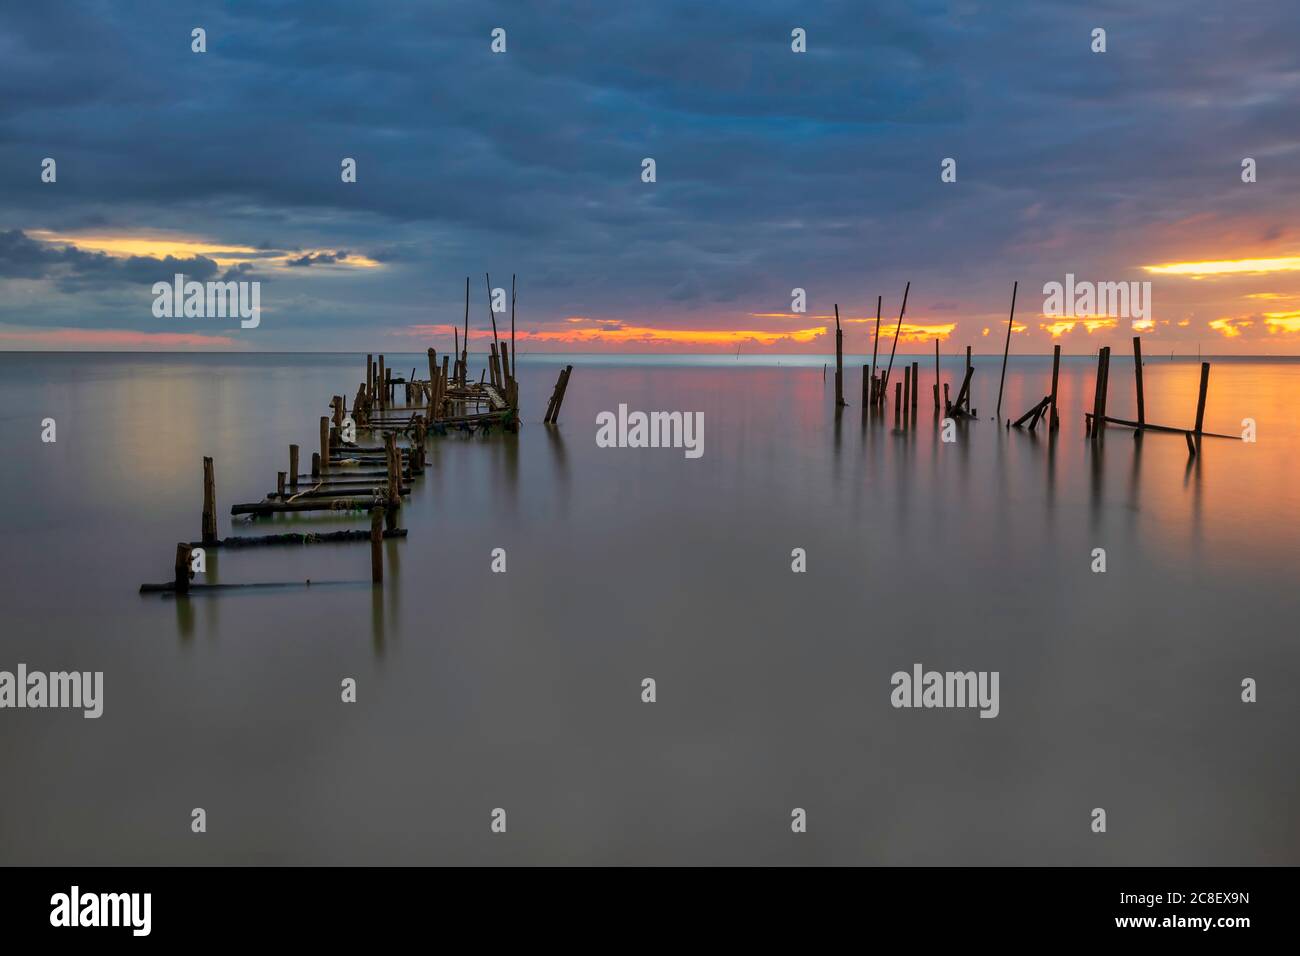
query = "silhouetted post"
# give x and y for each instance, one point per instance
(293, 466)
(279, 484)
(1056, 368)
(376, 545)
(315, 464)
(1200, 400)
(875, 393)
(968, 358)
(898, 401)
(936, 375)
(209, 531)
(1006, 350)
(907, 387)
(1137, 373)
(381, 393)
(324, 444)
(839, 359)
(866, 386)
(182, 568)
(562, 386)
(370, 376)
(1105, 385)
(916, 385)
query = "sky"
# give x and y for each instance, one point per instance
(774, 170)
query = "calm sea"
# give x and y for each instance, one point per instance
(522, 691)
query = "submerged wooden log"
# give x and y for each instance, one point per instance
(295, 537)
(319, 504)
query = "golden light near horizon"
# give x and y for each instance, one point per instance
(160, 246)
(1218, 267)
(612, 330)
(1282, 321)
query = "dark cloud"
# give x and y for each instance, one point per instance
(775, 170)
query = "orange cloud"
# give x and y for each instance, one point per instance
(1284, 322)
(1062, 326)
(1230, 328)
(1218, 267)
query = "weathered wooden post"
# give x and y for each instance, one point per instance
(381, 393)
(504, 352)
(1052, 422)
(315, 465)
(394, 495)
(182, 577)
(559, 400)
(209, 530)
(898, 401)
(279, 484)
(293, 466)
(907, 388)
(376, 545)
(324, 444)
(370, 375)
(866, 386)
(839, 359)
(916, 385)
(937, 406)
(875, 344)
(1200, 400)
(1137, 374)
(1105, 385)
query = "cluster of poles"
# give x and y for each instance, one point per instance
(875, 387)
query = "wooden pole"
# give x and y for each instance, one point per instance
(1052, 421)
(866, 386)
(839, 359)
(898, 401)
(916, 385)
(936, 375)
(464, 354)
(1006, 349)
(381, 392)
(967, 376)
(209, 530)
(315, 464)
(559, 400)
(376, 545)
(1200, 400)
(1137, 373)
(897, 329)
(1105, 385)
(370, 375)
(874, 344)
(512, 322)
(279, 484)
(907, 388)
(324, 444)
(182, 577)
(504, 354)
(293, 466)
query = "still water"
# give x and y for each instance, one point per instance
(522, 690)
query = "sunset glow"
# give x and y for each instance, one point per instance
(1226, 267)
(159, 246)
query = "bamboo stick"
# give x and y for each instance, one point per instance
(1006, 350)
